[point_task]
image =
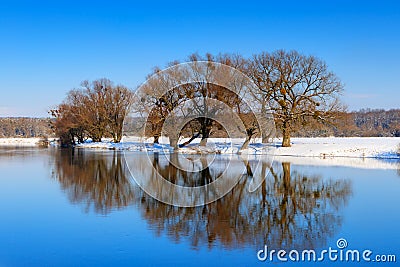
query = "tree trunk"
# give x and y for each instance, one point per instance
(286, 174)
(205, 133)
(286, 134)
(118, 134)
(203, 141)
(267, 135)
(115, 137)
(206, 176)
(265, 138)
(264, 173)
(190, 140)
(245, 144)
(173, 141)
(96, 139)
(264, 135)
(205, 129)
(156, 137)
(248, 168)
(286, 194)
(173, 168)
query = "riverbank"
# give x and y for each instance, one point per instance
(353, 152)
(23, 142)
(351, 147)
(320, 147)
(360, 152)
(330, 147)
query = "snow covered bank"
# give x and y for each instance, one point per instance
(214, 145)
(353, 147)
(332, 147)
(363, 163)
(22, 142)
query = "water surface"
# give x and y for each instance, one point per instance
(82, 208)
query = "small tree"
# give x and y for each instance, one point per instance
(66, 126)
(96, 110)
(297, 87)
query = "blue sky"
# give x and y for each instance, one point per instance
(49, 47)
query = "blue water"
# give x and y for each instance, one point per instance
(63, 208)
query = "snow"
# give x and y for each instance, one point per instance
(361, 152)
(354, 147)
(330, 147)
(363, 163)
(358, 152)
(23, 142)
(214, 145)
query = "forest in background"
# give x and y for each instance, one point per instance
(25, 127)
(362, 123)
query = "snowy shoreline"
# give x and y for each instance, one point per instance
(319, 147)
(354, 152)
(21, 142)
(347, 147)
(361, 152)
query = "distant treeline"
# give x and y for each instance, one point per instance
(363, 123)
(25, 127)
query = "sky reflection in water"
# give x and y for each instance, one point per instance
(81, 207)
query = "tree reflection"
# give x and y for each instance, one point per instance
(98, 180)
(174, 169)
(289, 210)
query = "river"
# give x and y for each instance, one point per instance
(82, 208)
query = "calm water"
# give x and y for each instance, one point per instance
(81, 208)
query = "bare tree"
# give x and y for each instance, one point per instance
(67, 124)
(204, 92)
(296, 86)
(96, 110)
(156, 100)
(118, 103)
(93, 108)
